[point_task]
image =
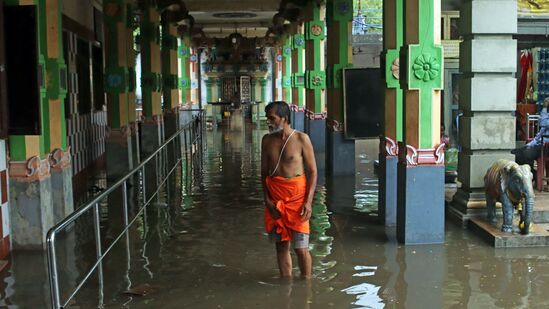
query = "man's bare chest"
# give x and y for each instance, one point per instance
(292, 152)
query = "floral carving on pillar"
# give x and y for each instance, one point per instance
(395, 68)
(426, 67)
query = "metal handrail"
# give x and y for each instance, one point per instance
(94, 203)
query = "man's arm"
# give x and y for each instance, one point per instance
(264, 173)
(311, 172)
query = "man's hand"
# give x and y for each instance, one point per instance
(306, 211)
(271, 207)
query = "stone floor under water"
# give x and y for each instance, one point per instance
(208, 249)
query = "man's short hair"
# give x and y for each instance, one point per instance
(282, 109)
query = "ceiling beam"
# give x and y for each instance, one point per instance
(232, 6)
(239, 25)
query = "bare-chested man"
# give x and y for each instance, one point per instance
(289, 175)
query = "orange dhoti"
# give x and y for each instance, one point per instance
(289, 196)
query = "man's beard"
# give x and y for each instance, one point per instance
(275, 129)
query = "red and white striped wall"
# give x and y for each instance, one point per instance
(4, 202)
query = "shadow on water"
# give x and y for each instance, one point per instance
(208, 249)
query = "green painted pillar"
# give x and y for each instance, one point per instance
(131, 63)
(298, 67)
(195, 77)
(339, 54)
(219, 84)
(340, 152)
(39, 166)
(277, 73)
(150, 62)
(184, 70)
(120, 82)
(298, 78)
(116, 63)
(421, 157)
(393, 36)
(315, 76)
(315, 79)
(169, 66)
(170, 80)
(263, 84)
(209, 83)
(286, 70)
(151, 80)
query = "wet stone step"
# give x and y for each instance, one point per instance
(491, 233)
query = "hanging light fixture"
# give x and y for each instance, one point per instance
(235, 36)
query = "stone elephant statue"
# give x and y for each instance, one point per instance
(511, 184)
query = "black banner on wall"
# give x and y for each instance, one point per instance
(363, 103)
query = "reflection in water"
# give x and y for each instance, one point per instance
(367, 295)
(208, 249)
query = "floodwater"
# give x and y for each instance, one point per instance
(208, 249)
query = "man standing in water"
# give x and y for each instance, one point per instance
(288, 174)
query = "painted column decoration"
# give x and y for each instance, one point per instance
(340, 152)
(195, 80)
(120, 82)
(315, 79)
(421, 156)
(298, 68)
(151, 79)
(55, 124)
(209, 82)
(170, 91)
(263, 84)
(298, 78)
(219, 85)
(277, 73)
(39, 166)
(253, 83)
(185, 70)
(393, 36)
(287, 70)
(116, 63)
(169, 66)
(339, 56)
(131, 63)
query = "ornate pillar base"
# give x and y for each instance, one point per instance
(467, 203)
(32, 212)
(340, 152)
(135, 144)
(61, 184)
(388, 162)
(315, 127)
(119, 155)
(340, 193)
(420, 195)
(171, 122)
(171, 125)
(152, 135)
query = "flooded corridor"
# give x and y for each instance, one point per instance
(207, 249)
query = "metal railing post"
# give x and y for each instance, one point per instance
(125, 202)
(192, 128)
(97, 228)
(143, 185)
(54, 276)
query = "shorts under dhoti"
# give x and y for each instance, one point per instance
(299, 240)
